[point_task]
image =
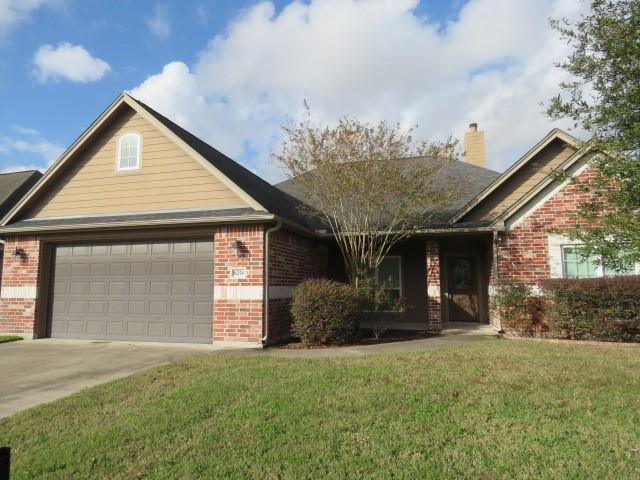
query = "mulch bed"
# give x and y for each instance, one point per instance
(367, 339)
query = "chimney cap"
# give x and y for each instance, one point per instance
(473, 127)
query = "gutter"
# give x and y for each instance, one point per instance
(265, 282)
(133, 224)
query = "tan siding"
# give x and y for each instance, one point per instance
(521, 182)
(169, 178)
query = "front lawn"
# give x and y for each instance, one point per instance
(490, 410)
(9, 338)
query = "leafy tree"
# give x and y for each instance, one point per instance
(354, 179)
(603, 97)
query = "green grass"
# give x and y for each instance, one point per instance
(490, 410)
(9, 338)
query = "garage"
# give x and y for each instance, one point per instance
(144, 291)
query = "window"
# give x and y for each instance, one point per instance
(388, 276)
(577, 265)
(129, 152)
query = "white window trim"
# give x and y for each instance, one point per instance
(139, 150)
(556, 245)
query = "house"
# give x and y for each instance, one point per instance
(142, 231)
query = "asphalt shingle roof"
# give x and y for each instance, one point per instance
(13, 186)
(463, 180)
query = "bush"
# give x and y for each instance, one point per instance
(520, 310)
(597, 308)
(324, 311)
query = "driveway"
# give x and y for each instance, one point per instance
(40, 371)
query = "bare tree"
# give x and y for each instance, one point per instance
(353, 177)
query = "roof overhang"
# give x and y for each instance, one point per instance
(97, 225)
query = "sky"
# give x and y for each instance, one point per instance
(235, 72)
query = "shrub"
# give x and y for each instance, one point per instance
(520, 310)
(597, 308)
(324, 311)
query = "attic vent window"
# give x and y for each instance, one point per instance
(129, 152)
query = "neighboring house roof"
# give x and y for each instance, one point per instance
(13, 186)
(463, 180)
(554, 135)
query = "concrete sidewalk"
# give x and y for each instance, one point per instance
(453, 334)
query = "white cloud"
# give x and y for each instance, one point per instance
(373, 59)
(12, 12)
(69, 62)
(27, 150)
(159, 24)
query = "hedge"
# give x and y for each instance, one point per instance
(324, 312)
(521, 311)
(598, 308)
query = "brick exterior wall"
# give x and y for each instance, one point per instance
(20, 279)
(434, 307)
(523, 252)
(292, 259)
(238, 303)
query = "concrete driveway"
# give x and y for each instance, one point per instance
(40, 371)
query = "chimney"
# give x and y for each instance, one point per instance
(474, 152)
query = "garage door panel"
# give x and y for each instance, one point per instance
(160, 291)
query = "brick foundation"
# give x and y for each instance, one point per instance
(20, 277)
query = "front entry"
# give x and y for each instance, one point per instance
(462, 289)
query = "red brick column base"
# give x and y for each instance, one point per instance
(434, 310)
(238, 285)
(18, 296)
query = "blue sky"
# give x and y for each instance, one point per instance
(230, 70)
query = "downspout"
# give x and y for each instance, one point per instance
(265, 283)
(496, 259)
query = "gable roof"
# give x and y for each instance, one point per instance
(571, 166)
(13, 186)
(271, 198)
(553, 135)
(463, 179)
(259, 194)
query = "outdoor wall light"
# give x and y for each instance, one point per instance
(19, 254)
(237, 247)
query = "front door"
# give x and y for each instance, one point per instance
(462, 289)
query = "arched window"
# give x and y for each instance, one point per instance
(129, 152)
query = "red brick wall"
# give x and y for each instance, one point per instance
(434, 310)
(20, 279)
(523, 254)
(292, 259)
(238, 303)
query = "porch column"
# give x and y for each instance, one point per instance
(434, 310)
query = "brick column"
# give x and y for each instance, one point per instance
(434, 310)
(238, 285)
(20, 277)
